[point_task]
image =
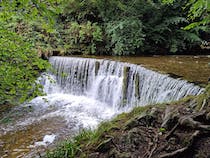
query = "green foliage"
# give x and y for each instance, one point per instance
(131, 27)
(71, 148)
(162, 130)
(168, 1)
(67, 149)
(19, 60)
(80, 10)
(198, 9)
(126, 35)
(144, 27)
(83, 37)
(167, 34)
(20, 65)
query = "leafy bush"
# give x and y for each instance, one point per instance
(20, 66)
(82, 37)
(131, 27)
(19, 60)
(126, 35)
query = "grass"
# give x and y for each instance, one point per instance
(71, 148)
(6, 120)
(88, 140)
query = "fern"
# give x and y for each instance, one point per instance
(175, 20)
(189, 36)
(126, 35)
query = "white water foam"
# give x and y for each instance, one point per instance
(48, 139)
(85, 91)
(120, 85)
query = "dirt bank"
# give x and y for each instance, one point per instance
(176, 130)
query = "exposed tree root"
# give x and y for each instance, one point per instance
(184, 149)
(172, 131)
(155, 146)
(188, 121)
(174, 153)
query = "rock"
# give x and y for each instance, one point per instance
(105, 145)
(142, 120)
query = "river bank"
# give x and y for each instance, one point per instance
(179, 129)
(59, 111)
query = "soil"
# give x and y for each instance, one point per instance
(177, 130)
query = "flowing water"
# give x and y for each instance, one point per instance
(80, 93)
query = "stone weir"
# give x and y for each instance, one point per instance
(120, 85)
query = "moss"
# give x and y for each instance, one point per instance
(203, 99)
(87, 141)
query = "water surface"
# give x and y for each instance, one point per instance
(87, 94)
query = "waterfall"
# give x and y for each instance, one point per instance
(118, 84)
(82, 92)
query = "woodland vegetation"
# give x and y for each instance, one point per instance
(31, 29)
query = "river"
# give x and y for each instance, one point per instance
(82, 92)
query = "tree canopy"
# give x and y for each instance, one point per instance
(31, 29)
(19, 60)
(135, 27)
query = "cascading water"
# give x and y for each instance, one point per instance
(83, 92)
(120, 85)
(86, 91)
